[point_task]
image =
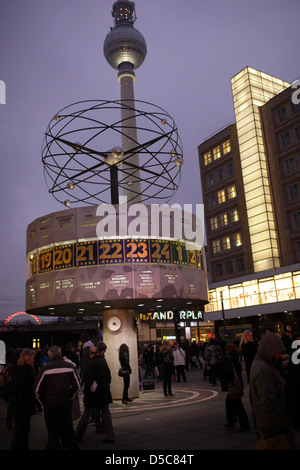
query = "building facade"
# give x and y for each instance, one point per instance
(251, 194)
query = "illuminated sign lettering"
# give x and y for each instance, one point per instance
(169, 315)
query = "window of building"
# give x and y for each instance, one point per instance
(235, 216)
(217, 152)
(229, 267)
(207, 158)
(216, 246)
(289, 164)
(226, 243)
(229, 169)
(295, 108)
(293, 191)
(240, 265)
(211, 201)
(296, 220)
(284, 139)
(219, 270)
(297, 246)
(209, 179)
(297, 132)
(219, 174)
(226, 147)
(237, 239)
(280, 114)
(214, 223)
(223, 219)
(231, 191)
(221, 196)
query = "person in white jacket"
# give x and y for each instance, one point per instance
(179, 362)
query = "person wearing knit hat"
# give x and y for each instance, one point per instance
(267, 396)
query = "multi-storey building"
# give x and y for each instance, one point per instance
(250, 175)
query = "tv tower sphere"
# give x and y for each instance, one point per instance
(124, 45)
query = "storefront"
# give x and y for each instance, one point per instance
(182, 325)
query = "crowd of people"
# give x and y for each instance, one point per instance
(49, 381)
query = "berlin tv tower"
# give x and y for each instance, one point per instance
(125, 50)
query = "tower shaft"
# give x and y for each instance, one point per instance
(125, 50)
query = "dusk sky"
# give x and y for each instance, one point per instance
(51, 55)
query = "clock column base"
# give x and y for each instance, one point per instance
(127, 333)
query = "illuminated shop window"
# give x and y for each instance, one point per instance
(217, 152)
(214, 223)
(231, 191)
(226, 147)
(221, 196)
(216, 246)
(36, 343)
(277, 288)
(207, 158)
(296, 284)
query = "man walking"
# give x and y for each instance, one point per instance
(97, 392)
(56, 385)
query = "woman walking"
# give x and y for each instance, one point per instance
(167, 362)
(23, 405)
(126, 371)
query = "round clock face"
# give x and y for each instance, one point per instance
(114, 323)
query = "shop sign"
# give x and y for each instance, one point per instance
(169, 315)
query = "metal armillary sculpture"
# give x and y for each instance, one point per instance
(87, 153)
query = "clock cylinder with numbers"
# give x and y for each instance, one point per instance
(75, 269)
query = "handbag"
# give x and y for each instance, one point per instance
(123, 372)
(235, 388)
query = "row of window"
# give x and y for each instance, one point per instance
(293, 191)
(217, 152)
(289, 110)
(296, 219)
(222, 196)
(219, 174)
(289, 137)
(291, 164)
(224, 219)
(229, 267)
(227, 243)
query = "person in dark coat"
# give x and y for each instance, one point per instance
(97, 392)
(23, 404)
(248, 347)
(167, 362)
(235, 410)
(125, 365)
(292, 386)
